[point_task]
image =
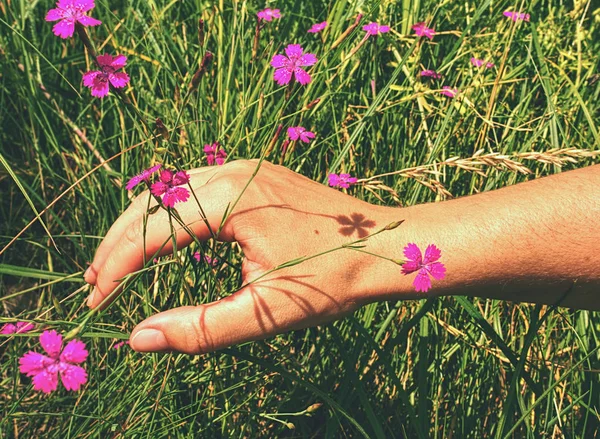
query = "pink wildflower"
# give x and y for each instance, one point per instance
(374, 29)
(431, 74)
(301, 133)
(317, 27)
(99, 80)
(169, 187)
(285, 66)
(428, 266)
(45, 370)
(210, 261)
(516, 16)
(69, 12)
(142, 176)
(120, 344)
(268, 14)
(480, 62)
(449, 91)
(215, 154)
(18, 328)
(422, 30)
(342, 180)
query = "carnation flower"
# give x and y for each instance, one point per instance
(69, 12)
(317, 27)
(99, 80)
(17, 328)
(426, 267)
(268, 14)
(215, 154)
(286, 66)
(480, 62)
(516, 16)
(169, 187)
(301, 133)
(59, 362)
(342, 180)
(431, 74)
(449, 91)
(142, 176)
(422, 30)
(375, 29)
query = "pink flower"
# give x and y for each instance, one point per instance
(480, 62)
(214, 154)
(317, 27)
(45, 370)
(169, 187)
(516, 16)
(69, 12)
(426, 267)
(342, 180)
(120, 344)
(431, 74)
(285, 66)
(422, 30)
(449, 91)
(18, 328)
(142, 176)
(268, 14)
(301, 133)
(374, 29)
(98, 80)
(210, 261)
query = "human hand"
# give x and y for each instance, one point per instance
(281, 216)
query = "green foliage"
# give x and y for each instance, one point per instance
(441, 368)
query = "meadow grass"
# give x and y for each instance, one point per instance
(444, 368)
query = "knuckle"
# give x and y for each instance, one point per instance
(133, 233)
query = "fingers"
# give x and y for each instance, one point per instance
(144, 237)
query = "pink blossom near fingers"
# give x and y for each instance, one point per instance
(430, 73)
(100, 80)
(341, 181)
(215, 154)
(120, 344)
(210, 261)
(317, 27)
(169, 187)
(374, 29)
(17, 328)
(480, 62)
(422, 30)
(268, 14)
(427, 267)
(516, 16)
(290, 64)
(301, 133)
(142, 176)
(58, 363)
(449, 91)
(68, 13)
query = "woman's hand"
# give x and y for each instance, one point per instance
(281, 216)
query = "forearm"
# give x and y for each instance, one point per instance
(533, 242)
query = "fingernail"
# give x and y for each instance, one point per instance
(149, 340)
(90, 299)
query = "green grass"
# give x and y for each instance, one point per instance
(442, 368)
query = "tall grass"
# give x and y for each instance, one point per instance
(440, 368)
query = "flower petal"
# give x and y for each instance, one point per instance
(118, 79)
(422, 282)
(119, 61)
(302, 77)
(9, 328)
(412, 252)
(51, 341)
(24, 327)
(74, 352)
(293, 133)
(410, 267)
(158, 188)
(46, 381)
(432, 254)
(282, 76)
(279, 61)
(64, 28)
(105, 60)
(33, 363)
(181, 177)
(175, 195)
(86, 20)
(88, 77)
(85, 5)
(100, 89)
(308, 60)
(73, 377)
(293, 50)
(54, 15)
(437, 270)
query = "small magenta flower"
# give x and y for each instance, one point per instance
(317, 27)
(213, 262)
(431, 74)
(268, 14)
(342, 180)
(516, 16)
(374, 29)
(18, 328)
(480, 62)
(169, 187)
(99, 80)
(301, 133)
(69, 12)
(449, 91)
(215, 154)
(286, 66)
(120, 344)
(142, 176)
(422, 30)
(428, 266)
(45, 370)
